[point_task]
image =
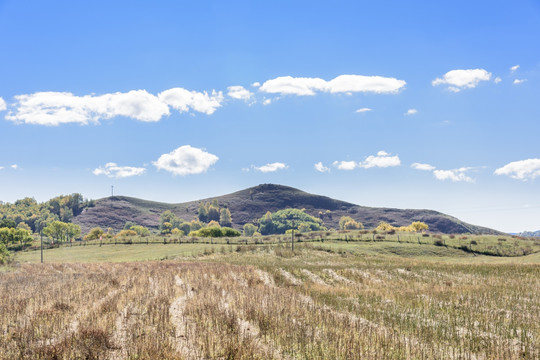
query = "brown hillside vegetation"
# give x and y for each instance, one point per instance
(271, 304)
(250, 204)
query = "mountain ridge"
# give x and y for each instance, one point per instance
(248, 205)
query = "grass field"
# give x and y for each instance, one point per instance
(326, 300)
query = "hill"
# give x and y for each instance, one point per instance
(530, 233)
(250, 204)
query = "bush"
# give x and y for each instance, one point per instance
(215, 231)
(438, 242)
(4, 254)
(94, 234)
(126, 233)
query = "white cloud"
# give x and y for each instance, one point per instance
(3, 105)
(267, 101)
(411, 112)
(256, 84)
(289, 85)
(14, 166)
(320, 167)
(345, 165)
(497, 80)
(55, 108)
(112, 170)
(1, 168)
(382, 159)
(521, 170)
(454, 175)
(270, 167)
(514, 68)
(342, 84)
(183, 100)
(519, 81)
(363, 110)
(186, 160)
(424, 167)
(462, 79)
(239, 92)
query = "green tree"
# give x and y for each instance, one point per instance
(249, 229)
(283, 220)
(213, 213)
(4, 254)
(94, 234)
(185, 227)
(140, 230)
(166, 228)
(202, 213)
(225, 218)
(129, 224)
(213, 223)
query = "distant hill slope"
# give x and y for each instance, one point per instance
(530, 233)
(250, 204)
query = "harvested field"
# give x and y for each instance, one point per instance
(257, 305)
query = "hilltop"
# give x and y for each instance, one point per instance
(250, 204)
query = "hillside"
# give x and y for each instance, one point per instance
(250, 204)
(530, 233)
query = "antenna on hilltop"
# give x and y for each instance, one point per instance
(112, 194)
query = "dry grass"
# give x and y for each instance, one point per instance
(258, 305)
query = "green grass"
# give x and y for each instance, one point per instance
(159, 251)
(115, 253)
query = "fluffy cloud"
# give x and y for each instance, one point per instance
(363, 110)
(382, 159)
(112, 170)
(424, 167)
(454, 175)
(514, 68)
(342, 84)
(239, 92)
(462, 79)
(519, 81)
(411, 112)
(497, 80)
(521, 170)
(256, 84)
(14, 166)
(183, 100)
(345, 165)
(3, 105)
(55, 108)
(270, 167)
(320, 167)
(186, 160)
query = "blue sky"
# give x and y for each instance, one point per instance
(400, 104)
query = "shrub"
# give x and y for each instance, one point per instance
(215, 231)
(4, 254)
(125, 233)
(94, 234)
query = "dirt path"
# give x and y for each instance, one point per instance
(176, 310)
